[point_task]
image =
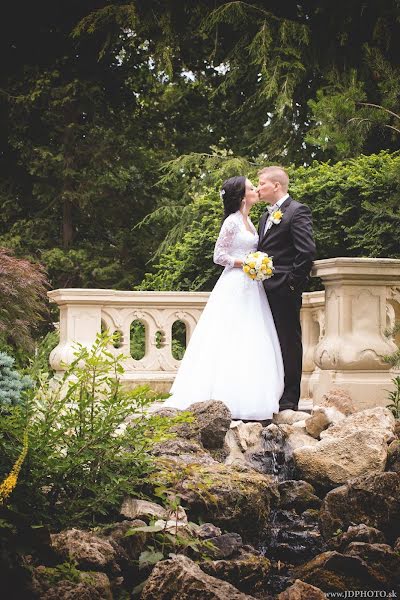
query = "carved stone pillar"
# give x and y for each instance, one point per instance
(79, 324)
(357, 291)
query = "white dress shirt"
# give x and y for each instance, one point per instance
(278, 204)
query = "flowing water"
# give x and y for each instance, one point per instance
(291, 537)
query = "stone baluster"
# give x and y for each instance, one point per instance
(312, 325)
(83, 312)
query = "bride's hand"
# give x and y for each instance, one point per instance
(238, 263)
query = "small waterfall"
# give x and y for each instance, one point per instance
(274, 456)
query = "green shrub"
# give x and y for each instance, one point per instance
(89, 441)
(355, 207)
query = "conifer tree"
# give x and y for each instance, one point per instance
(12, 383)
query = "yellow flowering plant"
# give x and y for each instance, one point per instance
(9, 483)
(258, 266)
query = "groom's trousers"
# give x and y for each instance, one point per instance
(285, 308)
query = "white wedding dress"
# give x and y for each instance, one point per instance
(234, 353)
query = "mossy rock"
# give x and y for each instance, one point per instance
(233, 498)
(248, 572)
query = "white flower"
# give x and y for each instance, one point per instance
(222, 194)
(276, 217)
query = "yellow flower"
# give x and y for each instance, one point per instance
(9, 483)
(268, 271)
(278, 214)
(252, 264)
(246, 268)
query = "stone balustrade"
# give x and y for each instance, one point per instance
(343, 328)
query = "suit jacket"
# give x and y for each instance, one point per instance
(291, 245)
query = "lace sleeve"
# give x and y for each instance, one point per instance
(222, 255)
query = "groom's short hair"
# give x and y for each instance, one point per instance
(276, 173)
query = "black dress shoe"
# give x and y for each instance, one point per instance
(288, 407)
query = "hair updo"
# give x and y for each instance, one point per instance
(232, 193)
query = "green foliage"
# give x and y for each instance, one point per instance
(263, 64)
(12, 383)
(355, 207)
(168, 537)
(89, 441)
(66, 571)
(38, 363)
(394, 398)
(137, 340)
(344, 122)
(179, 340)
(393, 333)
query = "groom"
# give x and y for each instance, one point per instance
(285, 233)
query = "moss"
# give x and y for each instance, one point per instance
(231, 498)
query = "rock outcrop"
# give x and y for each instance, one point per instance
(373, 500)
(181, 578)
(336, 459)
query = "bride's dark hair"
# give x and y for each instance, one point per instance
(232, 193)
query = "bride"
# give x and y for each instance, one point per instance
(234, 353)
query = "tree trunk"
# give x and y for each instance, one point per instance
(67, 228)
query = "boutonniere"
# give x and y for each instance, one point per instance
(276, 216)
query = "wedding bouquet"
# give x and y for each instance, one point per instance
(258, 266)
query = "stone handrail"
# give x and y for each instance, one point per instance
(343, 327)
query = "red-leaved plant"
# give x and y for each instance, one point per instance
(23, 286)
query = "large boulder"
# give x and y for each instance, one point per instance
(289, 417)
(211, 422)
(381, 559)
(206, 531)
(133, 545)
(233, 498)
(181, 578)
(318, 421)
(134, 508)
(48, 583)
(187, 450)
(302, 591)
(339, 399)
(249, 571)
(297, 437)
(321, 418)
(356, 533)
(89, 551)
(221, 546)
(393, 460)
(335, 572)
(299, 495)
(372, 499)
(379, 421)
(242, 440)
(336, 459)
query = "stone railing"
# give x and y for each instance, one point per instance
(343, 327)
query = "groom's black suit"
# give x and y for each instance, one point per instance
(292, 247)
